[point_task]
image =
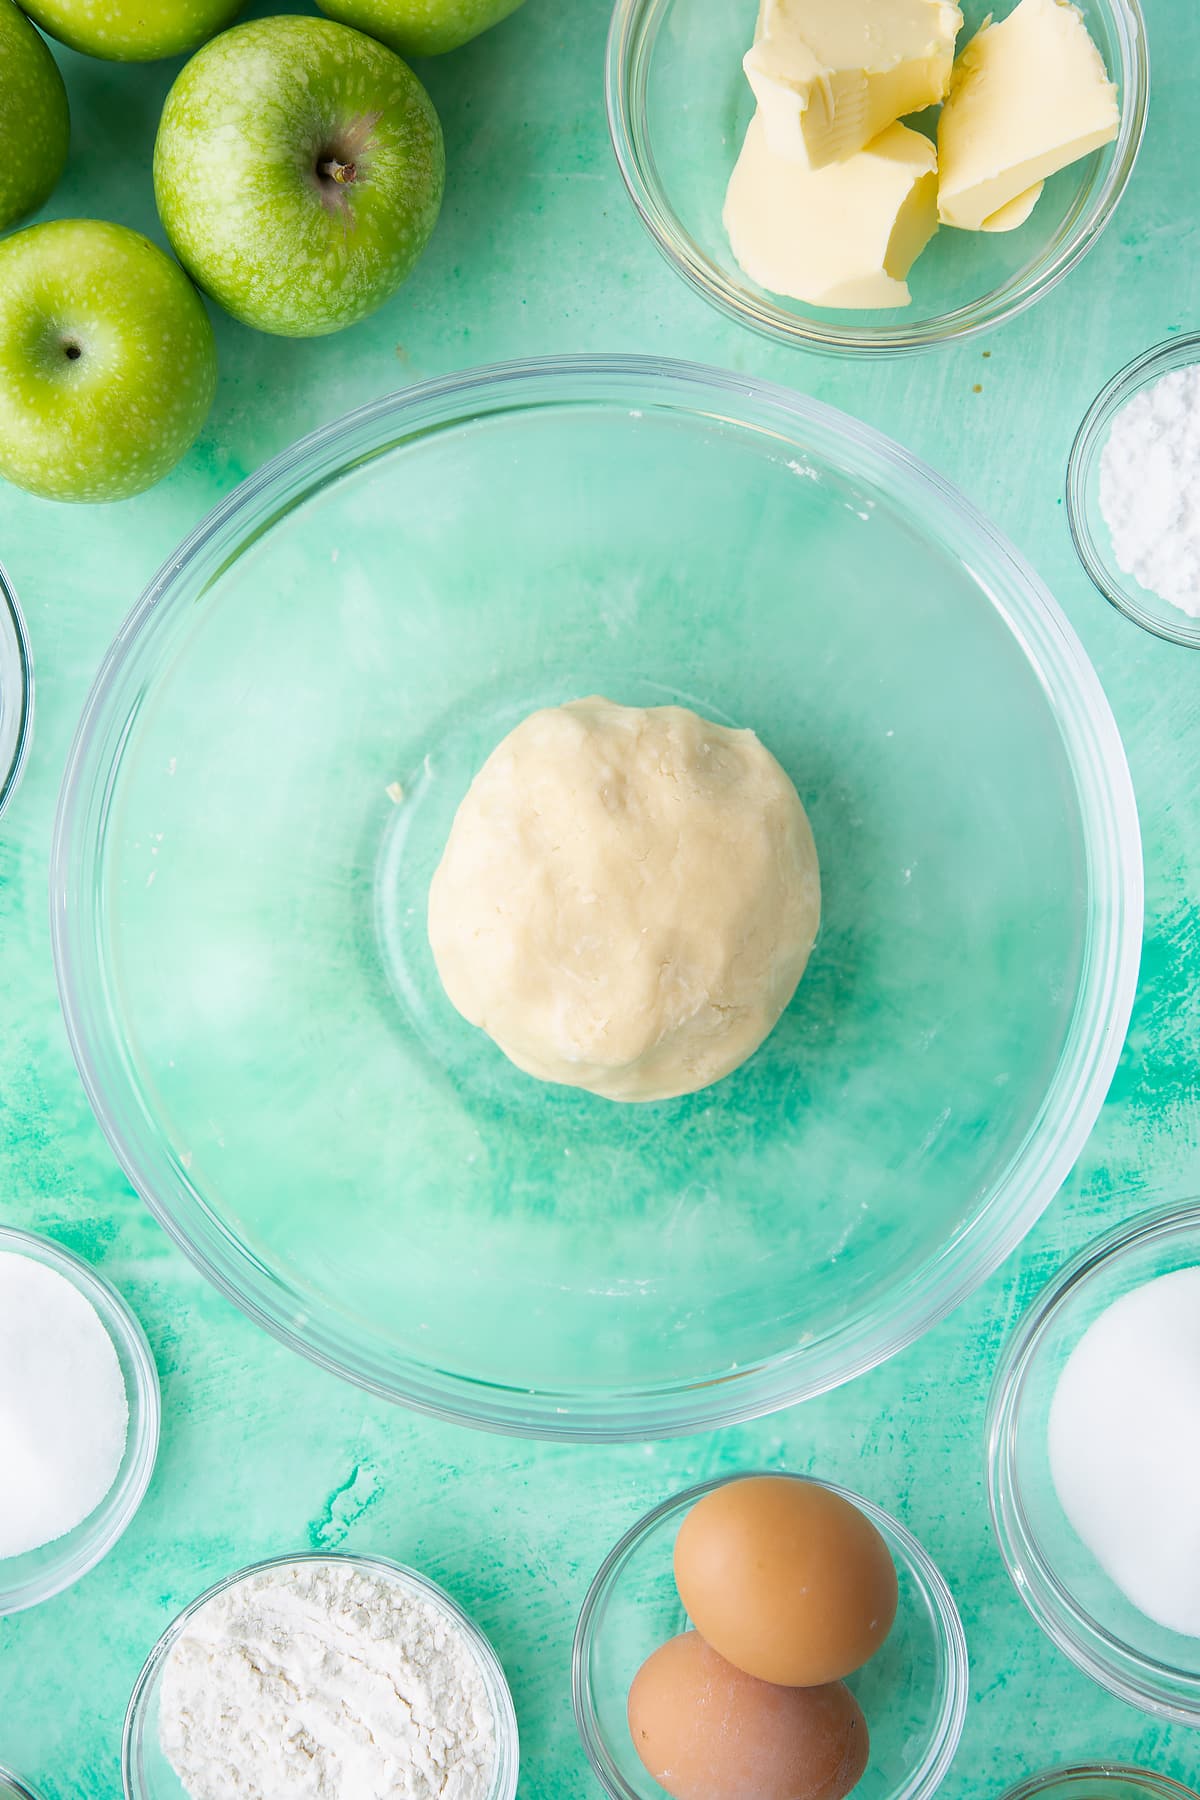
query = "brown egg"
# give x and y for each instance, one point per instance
(706, 1731)
(786, 1580)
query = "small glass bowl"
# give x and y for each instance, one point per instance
(40, 1574)
(678, 107)
(145, 1771)
(12, 1789)
(16, 692)
(1099, 1781)
(913, 1693)
(1088, 529)
(1078, 1607)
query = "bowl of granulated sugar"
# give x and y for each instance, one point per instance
(305, 1675)
(1132, 485)
(1094, 1462)
(79, 1418)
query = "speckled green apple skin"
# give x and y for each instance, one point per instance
(111, 419)
(35, 124)
(133, 30)
(421, 27)
(244, 131)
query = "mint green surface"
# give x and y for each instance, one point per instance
(538, 251)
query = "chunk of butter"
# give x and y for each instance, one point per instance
(1028, 96)
(830, 75)
(1016, 212)
(845, 235)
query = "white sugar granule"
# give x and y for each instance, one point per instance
(1150, 488)
(64, 1412)
(324, 1681)
(1125, 1446)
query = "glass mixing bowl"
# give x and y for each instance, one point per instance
(1088, 528)
(146, 1773)
(16, 692)
(913, 1693)
(678, 108)
(1069, 1594)
(262, 786)
(1099, 1781)
(40, 1574)
(12, 1789)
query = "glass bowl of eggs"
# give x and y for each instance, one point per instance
(1094, 1428)
(16, 692)
(679, 108)
(1099, 1781)
(770, 1634)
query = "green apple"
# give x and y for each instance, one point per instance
(107, 361)
(298, 171)
(34, 122)
(421, 27)
(132, 30)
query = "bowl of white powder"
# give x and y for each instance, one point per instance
(322, 1678)
(79, 1419)
(1094, 1461)
(1132, 486)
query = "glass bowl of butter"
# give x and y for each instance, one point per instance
(804, 175)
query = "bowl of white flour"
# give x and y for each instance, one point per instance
(1133, 483)
(322, 1678)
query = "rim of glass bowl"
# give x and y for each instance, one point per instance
(632, 33)
(921, 1781)
(13, 1788)
(85, 1546)
(1154, 1787)
(504, 1787)
(16, 673)
(1038, 1167)
(1175, 353)
(1141, 1681)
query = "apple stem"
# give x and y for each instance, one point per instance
(334, 170)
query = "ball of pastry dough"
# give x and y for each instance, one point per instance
(627, 900)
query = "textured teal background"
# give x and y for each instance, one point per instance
(539, 251)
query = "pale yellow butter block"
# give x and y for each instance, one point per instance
(830, 75)
(1010, 217)
(1029, 95)
(846, 235)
